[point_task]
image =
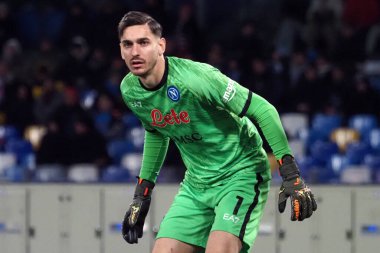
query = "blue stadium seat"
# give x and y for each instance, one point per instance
(322, 152)
(102, 122)
(136, 135)
(325, 124)
(373, 162)
(7, 160)
(115, 174)
(118, 148)
(15, 174)
(50, 173)
(356, 174)
(313, 172)
(356, 152)
(132, 163)
(83, 173)
(337, 163)
(363, 123)
(7, 133)
(21, 148)
(374, 140)
(130, 120)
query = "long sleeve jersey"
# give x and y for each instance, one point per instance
(208, 116)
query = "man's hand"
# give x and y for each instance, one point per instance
(134, 218)
(301, 198)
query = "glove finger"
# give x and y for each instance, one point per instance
(281, 202)
(132, 236)
(303, 206)
(313, 202)
(139, 231)
(309, 210)
(295, 210)
(125, 226)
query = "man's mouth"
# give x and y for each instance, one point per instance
(137, 63)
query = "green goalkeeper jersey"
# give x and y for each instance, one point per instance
(208, 116)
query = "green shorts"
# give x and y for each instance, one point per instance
(235, 207)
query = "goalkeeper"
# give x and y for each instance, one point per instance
(209, 117)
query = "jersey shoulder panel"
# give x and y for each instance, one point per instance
(199, 76)
(128, 82)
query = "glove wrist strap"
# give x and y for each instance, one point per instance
(144, 188)
(288, 168)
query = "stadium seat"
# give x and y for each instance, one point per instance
(7, 160)
(21, 148)
(363, 123)
(325, 124)
(373, 162)
(356, 174)
(102, 122)
(8, 132)
(356, 152)
(15, 174)
(82, 173)
(115, 174)
(293, 123)
(50, 173)
(132, 162)
(322, 151)
(344, 136)
(130, 120)
(136, 135)
(374, 140)
(337, 163)
(118, 148)
(298, 148)
(313, 172)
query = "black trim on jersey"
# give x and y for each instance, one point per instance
(151, 130)
(163, 80)
(247, 104)
(252, 206)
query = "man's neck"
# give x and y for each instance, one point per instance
(153, 79)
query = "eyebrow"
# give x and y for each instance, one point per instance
(138, 40)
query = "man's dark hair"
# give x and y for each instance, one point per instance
(139, 18)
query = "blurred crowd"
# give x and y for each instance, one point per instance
(60, 65)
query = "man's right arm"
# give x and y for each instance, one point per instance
(155, 149)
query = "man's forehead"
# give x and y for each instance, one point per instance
(136, 32)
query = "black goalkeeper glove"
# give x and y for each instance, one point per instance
(134, 218)
(302, 199)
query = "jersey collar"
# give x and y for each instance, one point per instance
(163, 80)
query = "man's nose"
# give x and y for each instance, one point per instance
(135, 50)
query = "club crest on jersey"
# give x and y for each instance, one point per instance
(173, 93)
(230, 91)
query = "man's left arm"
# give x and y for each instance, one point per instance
(302, 200)
(224, 92)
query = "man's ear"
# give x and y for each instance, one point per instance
(162, 44)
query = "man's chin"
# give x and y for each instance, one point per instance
(138, 72)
